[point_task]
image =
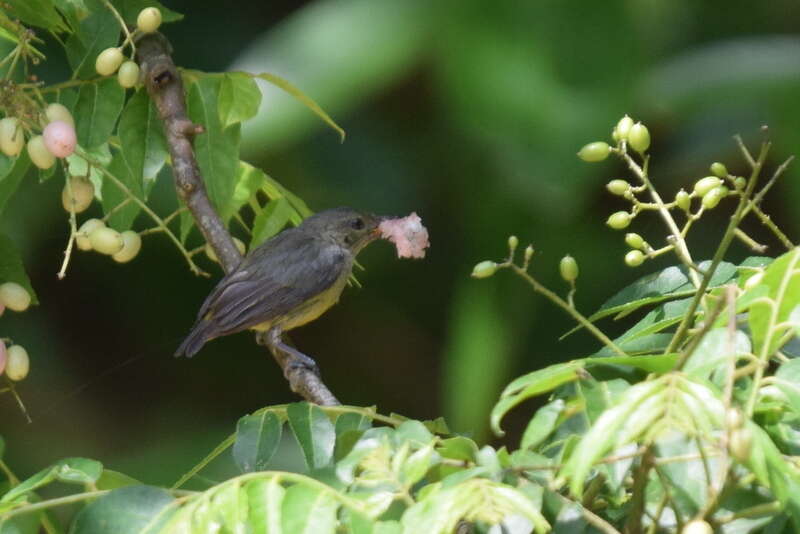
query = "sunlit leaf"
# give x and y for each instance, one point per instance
(308, 510)
(257, 439)
(314, 432)
(239, 98)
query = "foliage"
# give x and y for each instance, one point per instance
(690, 414)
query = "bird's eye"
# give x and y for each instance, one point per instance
(357, 224)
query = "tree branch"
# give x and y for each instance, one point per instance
(165, 87)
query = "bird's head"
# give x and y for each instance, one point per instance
(352, 229)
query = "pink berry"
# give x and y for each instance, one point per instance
(60, 139)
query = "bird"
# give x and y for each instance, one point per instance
(287, 281)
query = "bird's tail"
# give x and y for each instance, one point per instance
(195, 340)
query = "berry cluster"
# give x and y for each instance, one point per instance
(56, 140)
(112, 59)
(710, 191)
(14, 361)
(95, 235)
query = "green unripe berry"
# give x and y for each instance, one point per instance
(739, 183)
(623, 128)
(719, 170)
(734, 418)
(634, 241)
(639, 137)
(108, 61)
(528, 253)
(131, 244)
(697, 526)
(712, 198)
(619, 220)
(682, 200)
(12, 138)
(82, 237)
(128, 74)
(82, 194)
(513, 242)
(40, 156)
(18, 363)
(149, 20)
(741, 444)
(704, 185)
(597, 151)
(618, 187)
(106, 241)
(14, 297)
(484, 269)
(634, 258)
(568, 268)
(58, 112)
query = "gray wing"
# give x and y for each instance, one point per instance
(276, 277)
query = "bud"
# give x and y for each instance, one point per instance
(719, 170)
(754, 280)
(634, 241)
(639, 138)
(682, 200)
(618, 187)
(712, 198)
(704, 185)
(568, 268)
(619, 220)
(597, 151)
(634, 258)
(697, 526)
(484, 269)
(623, 128)
(739, 183)
(528, 253)
(741, 444)
(512, 243)
(734, 418)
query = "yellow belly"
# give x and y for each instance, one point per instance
(308, 310)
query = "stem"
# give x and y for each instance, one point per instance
(680, 242)
(558, 301)
(124, 26)
(736, 218)
(52, 503)
(73, 230)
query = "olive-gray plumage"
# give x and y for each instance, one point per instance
(286, 281)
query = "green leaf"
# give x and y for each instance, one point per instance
(668, 284)
(257, 439)
(96, 111)
(654, 363)
(94, 33)
(70, 470)
(714, 351)
(305, 100)
(239, 98)
(11, 268)
(270, 220)
(141, 136)
(458, 448)
(122, 218)
(314, 432)
(689, 485)
(770, 315)
(12, 171)
(787, 379)
(413, 432)
(767, 464)
(40, 13)
(308, 510)
(416, 465)
(265, 498)
(128, 510)
(110, 480)
(352, 421)
(217, 148)
(531, 385)
(542, 424)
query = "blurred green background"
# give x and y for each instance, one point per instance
(467, 112)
